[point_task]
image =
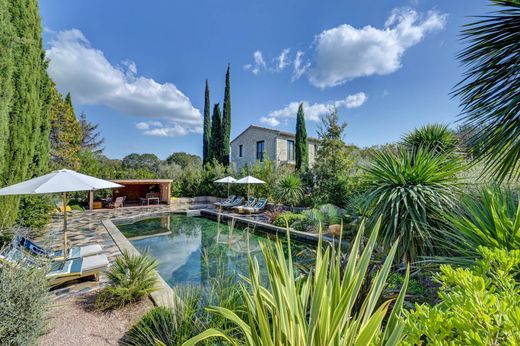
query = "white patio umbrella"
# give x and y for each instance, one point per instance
(227, 180)
(249, 180)
(60, 181)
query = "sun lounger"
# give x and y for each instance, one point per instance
(61, 271)
(257, 208)
(227, 201)
(77, 268)
(250, 203)
(237, 201)
(74, 252)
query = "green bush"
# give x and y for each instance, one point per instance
(132, 278)
(289, 189)
(410, 191)
(35, 212)
(24, 302)
(479, 306)
(288, 218)
(489, 218)
(188, 317)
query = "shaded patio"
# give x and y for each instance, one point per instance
(137, 192)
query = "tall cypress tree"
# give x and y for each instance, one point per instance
(301, 148)
(226, 121)
(25, 150)
(216, 134)
(6, 81)
(206, 140)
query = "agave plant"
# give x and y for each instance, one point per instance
(289, 189)
(317, 309)
(410, 190)
(437, 138)
(491, 219)
(490, 91)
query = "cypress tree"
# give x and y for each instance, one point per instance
(206, 140)
(226, 121)
(301, 148)
(25, 153)
(216, 134)
(6, 81)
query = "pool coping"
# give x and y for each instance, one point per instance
(164, 295)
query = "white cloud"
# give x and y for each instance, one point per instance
(283, 60)
(92, 79)
(353, 101)
(157, 128)
(313, 112)
(270, 121)
(299, 66)
(344, 52)
(259, 64)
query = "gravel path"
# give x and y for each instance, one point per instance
(74, 321)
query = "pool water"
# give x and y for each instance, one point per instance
(196, 249)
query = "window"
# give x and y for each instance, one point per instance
(260, 151)
(290, 150)
(315, 149)
(240, 150)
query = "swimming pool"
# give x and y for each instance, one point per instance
(194, 249)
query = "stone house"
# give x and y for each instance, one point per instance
(257, 143)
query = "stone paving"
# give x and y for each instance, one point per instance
(86, 228)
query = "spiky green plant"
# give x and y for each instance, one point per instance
(490, 91)
(437, 138)
(489, 218)
(132, 278)
(289, 189)
(409, 190)
(317, 309)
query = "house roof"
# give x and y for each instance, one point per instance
(278, 132)
(141, 181)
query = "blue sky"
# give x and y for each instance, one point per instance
(138, 68)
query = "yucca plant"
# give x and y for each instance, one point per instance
(132, 278)
(437, 138)
(410, 190)
(489, 218)
(317, 309)
(289, 189)
(490, 91)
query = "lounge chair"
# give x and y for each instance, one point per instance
(250, 203)
(237, 201)
(77, 268)
(226, 201)
(74, 252)
(257, 208)
(61, 271)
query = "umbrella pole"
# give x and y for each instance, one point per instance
(228, 190)
(64, 225)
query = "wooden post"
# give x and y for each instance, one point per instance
(64, 225)
(91, 200)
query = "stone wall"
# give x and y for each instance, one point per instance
(249, 139)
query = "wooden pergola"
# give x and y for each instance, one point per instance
(137, 189)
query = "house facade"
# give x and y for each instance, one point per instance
(257, 143)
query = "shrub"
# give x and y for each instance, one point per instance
(410, 190)
(479, 306)
(436, 138)
(132, 278)
(317, 309)
(24, 297)
(288, 218)
(35, 212)
(187, 318)
(491, 218)
(289, 189)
